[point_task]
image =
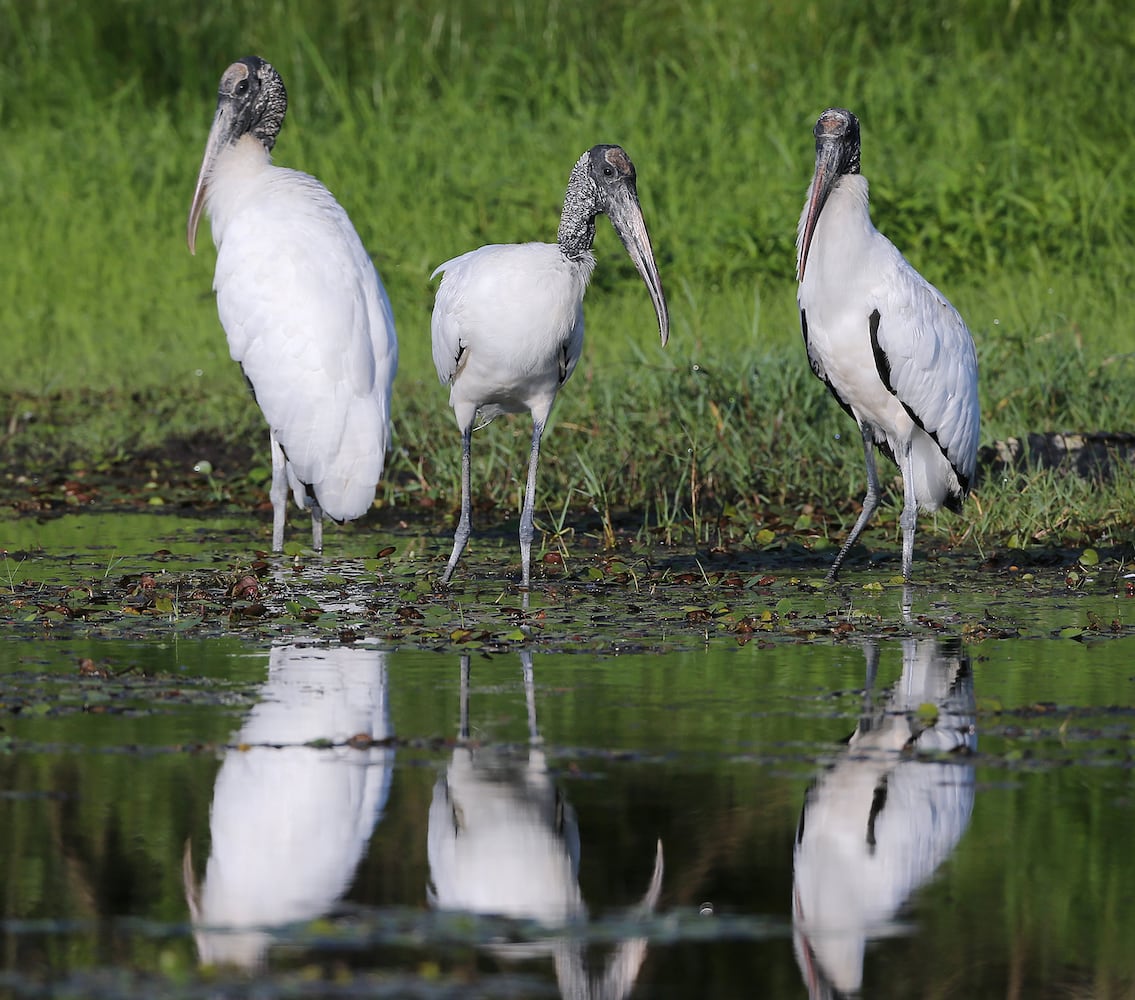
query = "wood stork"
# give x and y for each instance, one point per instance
(305, 313)
(508, 319)
(894, 353)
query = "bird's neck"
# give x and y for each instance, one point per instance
(844, 225)
(246, 158)
(246, 162)
(576, 234)
(855, 192)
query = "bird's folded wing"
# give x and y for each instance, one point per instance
(932, 362)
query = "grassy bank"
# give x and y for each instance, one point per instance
(994, 137)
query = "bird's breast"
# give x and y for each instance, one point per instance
(514, 309)
(837, 297)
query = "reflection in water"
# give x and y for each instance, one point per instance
(504, 841)
(877, 824)
(290, 822)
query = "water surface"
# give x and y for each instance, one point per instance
(610, 804)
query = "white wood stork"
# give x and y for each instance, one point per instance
(508, 319)
(894, 353)
(305, 313)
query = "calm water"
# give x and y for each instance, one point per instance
(905, 816)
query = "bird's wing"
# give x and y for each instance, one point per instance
(309, 323)
(926, 357)
(384, 340)
(450, 310)
(522, 300)
(573, 348)
(384, 345)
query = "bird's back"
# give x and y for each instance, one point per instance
(310, 323)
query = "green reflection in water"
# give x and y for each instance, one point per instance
(712, 752)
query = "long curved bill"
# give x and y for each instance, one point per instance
(220, 135)
(625, 214)
(827, 173)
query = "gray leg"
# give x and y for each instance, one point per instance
(464, 525)
(870, 501)
(909, 518)
(278, 493)
(526, 515)
(316, 525)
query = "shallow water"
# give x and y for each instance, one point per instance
(617, 803)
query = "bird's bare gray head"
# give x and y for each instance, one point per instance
(253, 95)
(838, 129)
(610, 169)
(251, 100)
(604, 180)
(592, 186)
(837, 154)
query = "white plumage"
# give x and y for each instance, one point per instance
(508, 319)
(509, 289)
(305, 313)
(895, 354)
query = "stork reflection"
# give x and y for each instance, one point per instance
(289, 822)
(878, 823)
(503, 840)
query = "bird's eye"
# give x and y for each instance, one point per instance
(241, 88)
(608, 170)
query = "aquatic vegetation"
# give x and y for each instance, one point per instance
(404, 110)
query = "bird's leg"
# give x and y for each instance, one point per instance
(464, 525)
(316, 524)
(909, 517)
(526, 514)
(870, 500)
(278, 493)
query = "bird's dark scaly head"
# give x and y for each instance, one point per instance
(251, 100)
(604, 180)
(837, 154)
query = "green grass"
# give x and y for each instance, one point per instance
(994, 136)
